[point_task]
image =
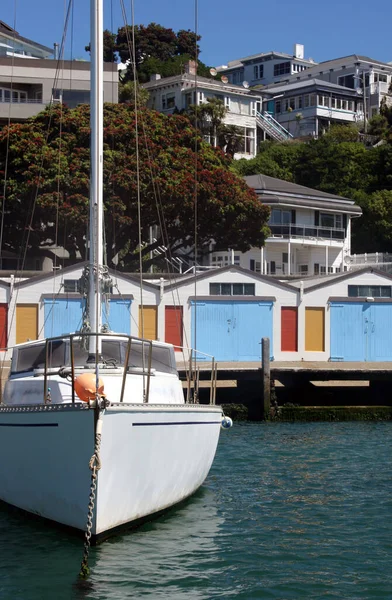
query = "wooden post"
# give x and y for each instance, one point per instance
(266, 376)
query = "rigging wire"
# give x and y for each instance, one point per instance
(158, 200)
(195, 197)
(8, 138)
(28, 226)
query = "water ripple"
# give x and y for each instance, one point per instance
(299, 511)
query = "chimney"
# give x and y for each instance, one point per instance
(191, 67)
(298, 50)
(155, 77)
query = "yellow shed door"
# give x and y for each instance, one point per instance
(314, 329)
(150, 322)
(26, 322)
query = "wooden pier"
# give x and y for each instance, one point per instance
(307, 383)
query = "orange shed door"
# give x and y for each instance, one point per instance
(289, 329)
(26, 322)
(314, 329)
(148, 322)
(173, 325)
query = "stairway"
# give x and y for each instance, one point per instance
(272, 127)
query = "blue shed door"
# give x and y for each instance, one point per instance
(62, 316)
(118, 318)
(230, 330)
(380, 332)
(361, 331)
(348, 340)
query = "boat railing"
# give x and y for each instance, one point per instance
(192, 369)
(145, 371)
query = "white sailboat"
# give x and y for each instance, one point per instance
(114, 407)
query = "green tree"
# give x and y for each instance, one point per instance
(126, 93)
(158, 50)
(373, 231)
(48, 178)
(109, 47)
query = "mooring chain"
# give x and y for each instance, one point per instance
(94, 465)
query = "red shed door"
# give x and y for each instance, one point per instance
(3, 326)
(289, 329)
(173, 325)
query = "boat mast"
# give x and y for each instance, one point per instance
(96, 174)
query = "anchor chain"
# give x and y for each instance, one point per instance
(94, 465)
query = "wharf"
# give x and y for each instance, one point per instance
(304, 382)
(301, 370)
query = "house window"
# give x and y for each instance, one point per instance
(258, 71)
(272, 267)
(71, 285)
(370, 291)
(280, 217)
(227, 102)
(232, 289)
(380, 77)
(15, 96)
(188, 100)
(323, 101)
(316, 268)
(247, 142)
(310, 100)
(331, 220)
(303, 269)
(292, 103)
(298, 103)
(278, 107)
(168, 101)
(282, 69)
(348, 81)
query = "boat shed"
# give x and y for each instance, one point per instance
(226, 312)
(347, 317)
(49, 305)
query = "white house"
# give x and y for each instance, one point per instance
(309, 107)
(179, 92)
(370, 78)
(13, 44)
(310, 231)
(266, 67)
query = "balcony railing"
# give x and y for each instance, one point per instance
(290, 230)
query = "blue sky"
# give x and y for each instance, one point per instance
(229, 29)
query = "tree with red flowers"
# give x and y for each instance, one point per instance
(46, 180)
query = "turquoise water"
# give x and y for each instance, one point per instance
(289, 511)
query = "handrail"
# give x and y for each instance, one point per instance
(309, 231)
(78, 335)
(279, 126)
(272, 124)
(192, 375)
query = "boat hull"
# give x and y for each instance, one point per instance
(152, 458)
